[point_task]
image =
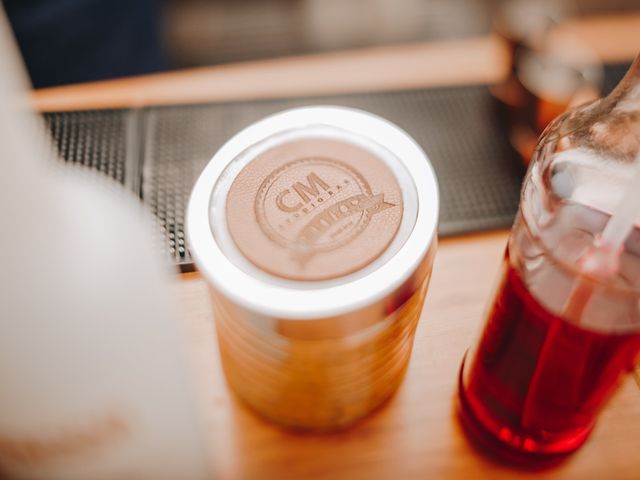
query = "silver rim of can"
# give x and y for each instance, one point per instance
(267, 295)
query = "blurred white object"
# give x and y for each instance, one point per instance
(93, 373)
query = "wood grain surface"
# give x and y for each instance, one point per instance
(416, 434)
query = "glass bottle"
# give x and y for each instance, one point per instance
(560, 337)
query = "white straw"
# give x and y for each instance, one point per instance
(604, 259)
(624, 215)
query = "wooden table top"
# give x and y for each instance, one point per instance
(415, 435)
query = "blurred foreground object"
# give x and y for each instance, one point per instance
(546, 76)
(550, 83)
(93, 376)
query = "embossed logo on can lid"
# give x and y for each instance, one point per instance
(314, 209)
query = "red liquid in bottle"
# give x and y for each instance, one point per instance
(537, 381)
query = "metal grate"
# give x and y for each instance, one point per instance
(179, 141)
(478, 173)
(93, 138)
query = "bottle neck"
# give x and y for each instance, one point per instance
(627, 93)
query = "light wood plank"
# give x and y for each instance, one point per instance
(382, 68)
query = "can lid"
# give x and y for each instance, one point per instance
(313, 212)
(314, 208)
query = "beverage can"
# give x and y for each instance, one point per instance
(316, 229)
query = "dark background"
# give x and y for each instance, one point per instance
(68, 41)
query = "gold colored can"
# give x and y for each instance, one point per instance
(316, 229)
